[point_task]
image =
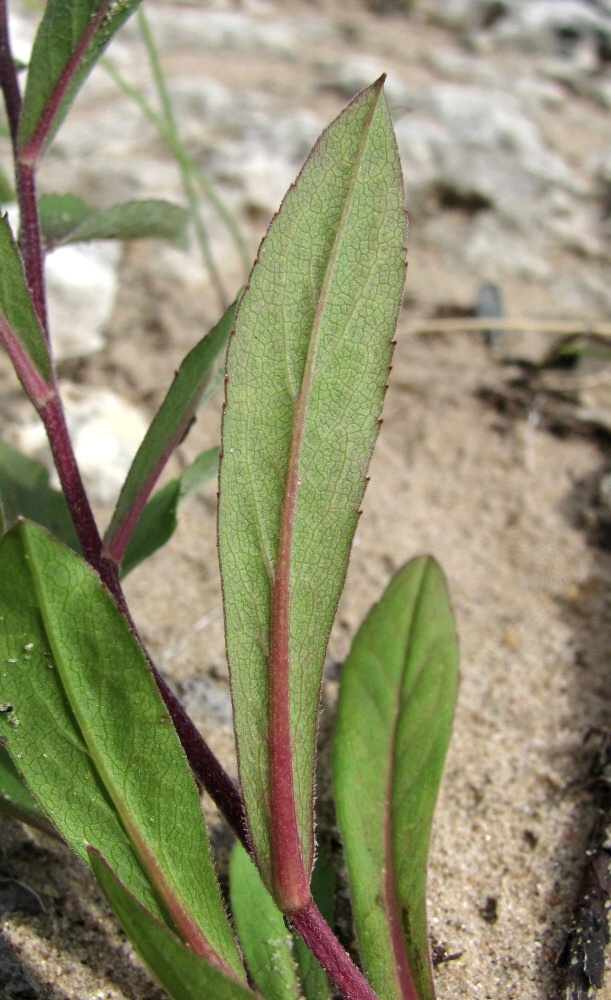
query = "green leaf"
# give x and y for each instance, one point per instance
(166, 431)
(7, 191)
(306, 375)
(15, 797)
(70, 38)
(265, 940)
(25, 492)
(182, 973)
(93, 731)
(68, 219)
(20, 331)
(398, 686)
(159, 519)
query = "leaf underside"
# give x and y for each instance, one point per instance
(397, 696)
(306, 375)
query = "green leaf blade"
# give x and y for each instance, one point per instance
(265, 940)
(167, 429)
(306, 376)
(70, 38)
(68, 219)
(159, 519)
(130, 748)
(25, 491)
(182, 973)
(41, 734)
(20, 330)
(399, 686)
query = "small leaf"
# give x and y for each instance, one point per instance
(166, 431)
(15, 797)
(20, 331)
(159, 519)
(70, 38)
(265, 940)
(68, 219)
(182, 973)
(306, 376)
(25, 492)
(398, 686)
(107, 704)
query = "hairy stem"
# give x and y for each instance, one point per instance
(311, 926)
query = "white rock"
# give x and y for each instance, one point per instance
(106, 432)
(82, 281)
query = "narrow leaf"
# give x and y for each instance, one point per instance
(265, 940)
(159, 519)
(25, 492)
(20, 331)
(122, 728)
(70, 38)
(398, 686)
(166, 431)
(306, 376)
(182, 973)
(68, 219)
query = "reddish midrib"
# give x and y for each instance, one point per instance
(403, 972)
(291, 883)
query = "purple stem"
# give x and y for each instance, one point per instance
(306, 920)
(311, 926)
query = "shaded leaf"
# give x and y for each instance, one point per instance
(159, 519)
(15, 797)
(68, 219)
(70, 38)
(95, 728)
(7, 191)
(25, 491)
(264, 938)
(398, 686)
(20, 331)
(166, 431)
(306, 376)
(182, 973)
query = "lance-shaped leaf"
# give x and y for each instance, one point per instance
(397, 696)
(20, 331)
(70, 38)
(182, 973)
(306, 374)
(68, 219)
(159, 519)
(266, 943)
(167, 429)
(91, 736)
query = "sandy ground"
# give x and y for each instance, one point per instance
(506, 505)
